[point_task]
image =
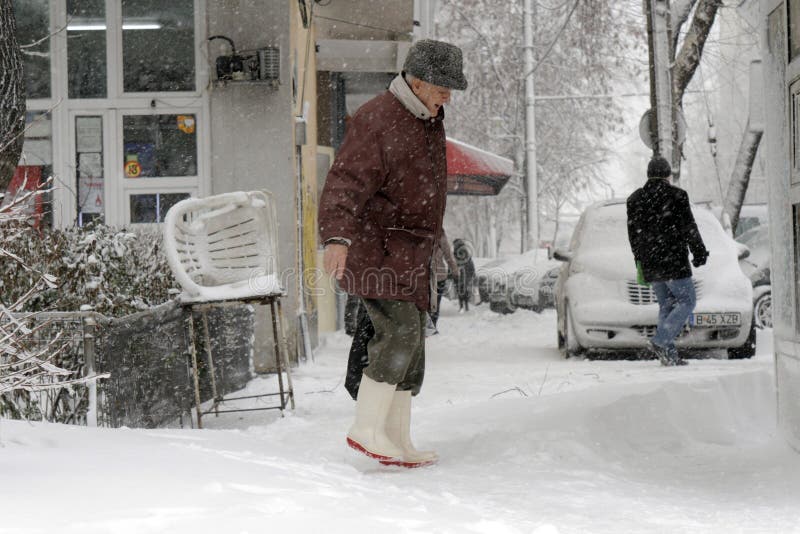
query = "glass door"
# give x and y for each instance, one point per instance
(89, 132)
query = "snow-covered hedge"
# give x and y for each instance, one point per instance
(115, 271)
(39, 367)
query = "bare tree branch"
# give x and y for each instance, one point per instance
(679, 13)
(553, 41)
(500, 78)
(740, 177)
(687, 60)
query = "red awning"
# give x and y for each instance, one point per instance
(472, 171)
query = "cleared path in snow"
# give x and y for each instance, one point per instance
(529, 443)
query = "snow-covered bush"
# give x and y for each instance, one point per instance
(29, 364)
(114, 271)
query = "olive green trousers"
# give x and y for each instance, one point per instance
(397, 350)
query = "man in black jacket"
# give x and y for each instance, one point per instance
(662, 230)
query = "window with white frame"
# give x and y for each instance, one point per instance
(120, 80)
(793, 8)
(35, 166)
(794, 111)
(152, 207)
(33, 29)
(89, 165)
(86, 48)
(162, 145)
(158, 45)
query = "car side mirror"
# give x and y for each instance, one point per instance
(743, 251)
(562, 255)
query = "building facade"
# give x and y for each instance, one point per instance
(131, 109)
(780, 23)
(134, 105)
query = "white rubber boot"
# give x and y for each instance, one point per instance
(398, 428)
(368, 433)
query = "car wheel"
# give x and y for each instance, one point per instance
(503, 307)
(748, 350)
(570, 346)
(762, 310)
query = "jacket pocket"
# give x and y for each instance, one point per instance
(404, 260)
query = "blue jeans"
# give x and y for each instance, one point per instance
(676, 300)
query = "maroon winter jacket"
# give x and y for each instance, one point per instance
(386, 193)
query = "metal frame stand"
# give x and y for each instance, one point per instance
(285, 392)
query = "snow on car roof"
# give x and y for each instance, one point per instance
(606, 223)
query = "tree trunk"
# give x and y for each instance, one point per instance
(687, 61)
(680, 11)
(12, 95)
(740, 177)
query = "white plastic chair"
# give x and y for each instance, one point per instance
(223, 247)
(223, 250)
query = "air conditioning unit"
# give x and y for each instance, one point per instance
(269, 64)
(262, 65)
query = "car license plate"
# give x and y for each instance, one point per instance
(716, 319)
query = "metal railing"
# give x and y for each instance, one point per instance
(75, 334)
(144, 359)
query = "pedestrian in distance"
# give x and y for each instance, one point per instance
(380, 217)
(662, 231)
(466, 273)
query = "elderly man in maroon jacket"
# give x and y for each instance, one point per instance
(380, 217)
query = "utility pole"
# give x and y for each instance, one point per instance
(657, 13)
(531, 224)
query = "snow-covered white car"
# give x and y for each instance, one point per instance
(757, 267)
(601, 307)
(533, 287)
(513, 281)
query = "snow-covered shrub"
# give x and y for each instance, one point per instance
(29, 363)
(114, 271)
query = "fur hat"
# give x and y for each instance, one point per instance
(659, 168)
(436, 62)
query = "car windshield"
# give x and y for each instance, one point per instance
(755, 236)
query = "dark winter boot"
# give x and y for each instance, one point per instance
(675, 358)
(661, 353)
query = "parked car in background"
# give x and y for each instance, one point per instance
(515, 281)
(566, 226)
(533, 287)
(751, 216)
(757, 267)
(487, 276)
(601, 307)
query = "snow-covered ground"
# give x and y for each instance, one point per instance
(530, 443)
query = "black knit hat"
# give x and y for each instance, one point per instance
(436, 62)
(659, 168)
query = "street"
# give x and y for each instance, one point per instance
(529, 443)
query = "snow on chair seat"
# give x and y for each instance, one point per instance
(223, 247)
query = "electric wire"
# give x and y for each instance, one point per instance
(357, 23)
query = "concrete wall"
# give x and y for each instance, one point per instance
(306, 105)
(252, 129)
(782, 195)
(368, 20)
